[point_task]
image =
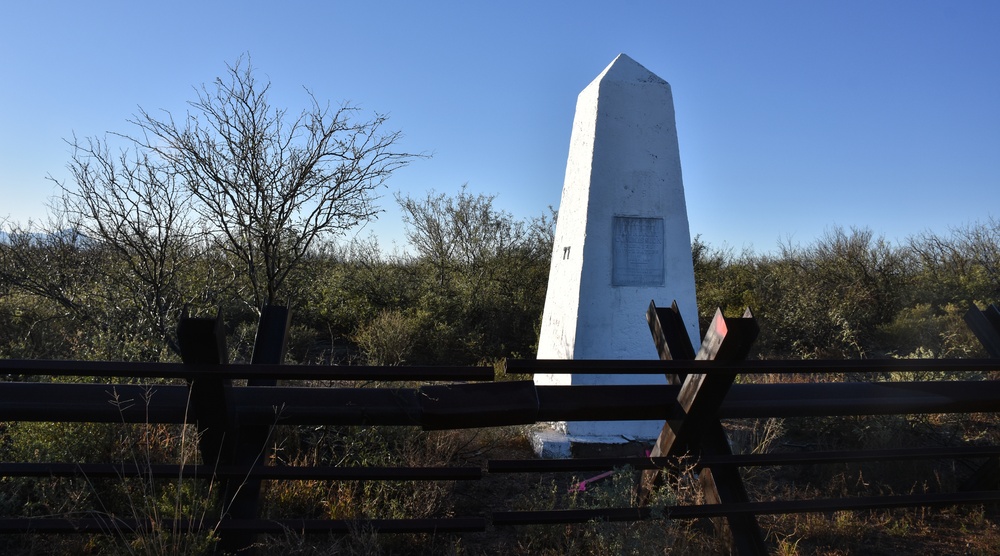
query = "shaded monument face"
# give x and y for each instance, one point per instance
(621, 239)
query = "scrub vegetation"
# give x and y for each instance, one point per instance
(847, 295)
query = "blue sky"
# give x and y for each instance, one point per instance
(793, 117)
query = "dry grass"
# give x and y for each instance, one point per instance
(951, 530)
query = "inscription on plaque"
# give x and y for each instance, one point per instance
(637, 258)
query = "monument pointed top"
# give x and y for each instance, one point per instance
(625, 69)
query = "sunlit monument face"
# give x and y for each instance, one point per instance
(621, 240)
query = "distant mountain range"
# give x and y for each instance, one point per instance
(68, 234)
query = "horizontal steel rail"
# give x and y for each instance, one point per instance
(170, 471)
(482, 405)
(860, 398)
(749, 366)
(210, 472)
(22, 367)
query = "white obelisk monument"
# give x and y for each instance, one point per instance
(621, 240)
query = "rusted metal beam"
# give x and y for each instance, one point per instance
(702, 394)
(210, 472)
(253, 440)
(986, 326)
(96, 403)
(203, 342)
(698, 430)
(289, 405)
(860, 398)
(670, 337)
(589, 403)
(812, 366)
(15, 368)
(478, 405)
(725, 485)
(271, 341)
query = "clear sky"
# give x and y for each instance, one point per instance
(792, 116)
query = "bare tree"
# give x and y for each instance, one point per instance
(485, 273)
(51, 262)
(467, 231)
(136, 209)
(965, 265)
(269, 186)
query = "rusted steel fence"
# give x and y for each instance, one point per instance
(234, 422)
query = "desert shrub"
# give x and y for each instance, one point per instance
(388, 339)
(927, 332)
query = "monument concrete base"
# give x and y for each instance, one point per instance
(550, 442)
